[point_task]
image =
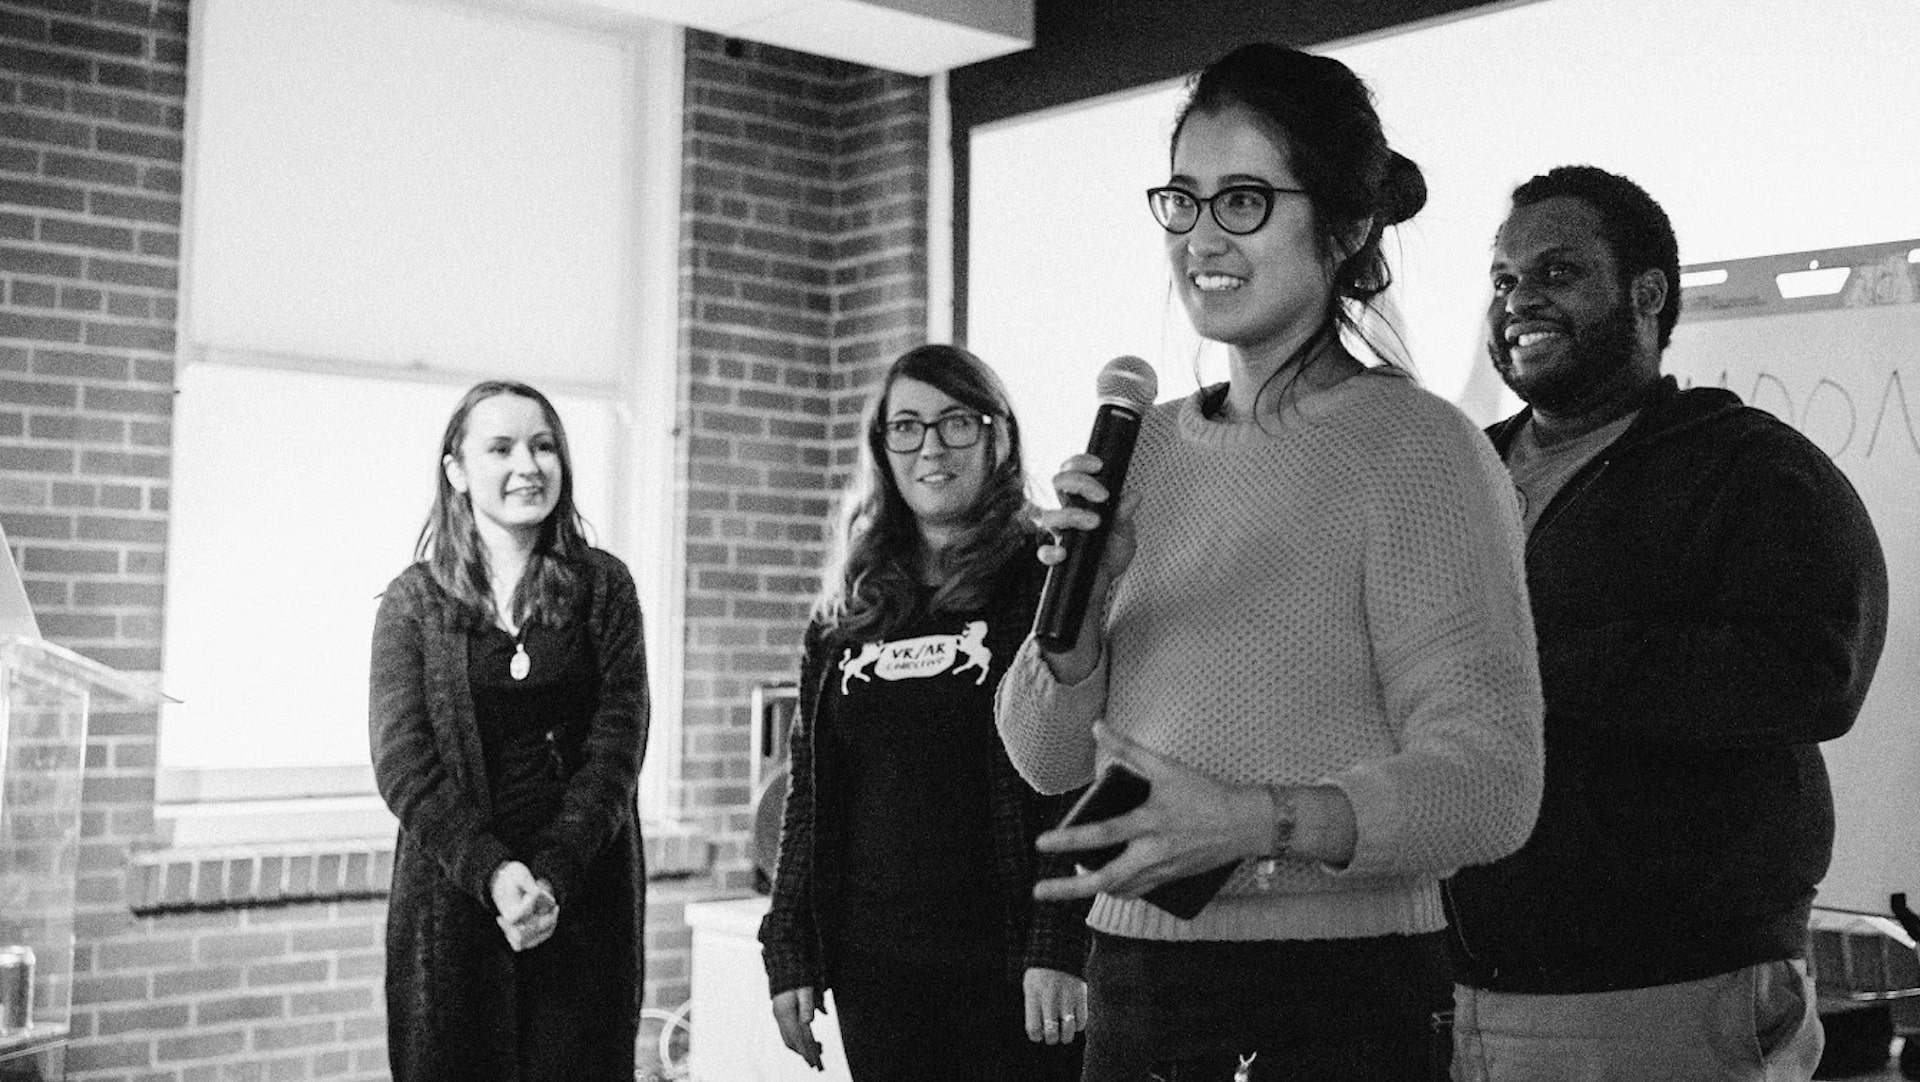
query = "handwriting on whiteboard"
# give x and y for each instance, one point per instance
(1841, 420)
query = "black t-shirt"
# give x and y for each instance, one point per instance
(913, 726)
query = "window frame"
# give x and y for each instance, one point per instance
(215, 807)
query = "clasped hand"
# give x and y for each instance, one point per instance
(528, 913)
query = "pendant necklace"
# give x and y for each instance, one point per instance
(521, 664)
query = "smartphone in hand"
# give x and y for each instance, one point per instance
(1117, 791)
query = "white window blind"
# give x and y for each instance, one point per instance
(389, 200)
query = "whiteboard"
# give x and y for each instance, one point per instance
(1842, 365)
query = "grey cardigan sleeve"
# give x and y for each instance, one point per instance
(435, 811)
(599, 798)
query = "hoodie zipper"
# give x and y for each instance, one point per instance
(1458, 927)
(1584, 480)
(1591, 473)
(1566, 499)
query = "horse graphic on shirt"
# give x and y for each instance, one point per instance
(919, 658)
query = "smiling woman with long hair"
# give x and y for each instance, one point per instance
(906, 853)
(508, 721)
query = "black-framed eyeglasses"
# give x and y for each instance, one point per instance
(958, 431)
(1238, 208)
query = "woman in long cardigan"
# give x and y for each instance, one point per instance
(508, 722)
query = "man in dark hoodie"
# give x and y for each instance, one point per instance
(1710, 601)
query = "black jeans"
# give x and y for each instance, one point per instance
(907, 1022)
(1325, 1010)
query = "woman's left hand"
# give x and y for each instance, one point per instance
(1191, 822)
(1056, 1006)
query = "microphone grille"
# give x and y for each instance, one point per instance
(1129, 380)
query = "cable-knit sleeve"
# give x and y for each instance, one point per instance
(1047, 726)
(1057, 937)
(789, 939)
(599, 797)
(1453, 647)
(417, 784)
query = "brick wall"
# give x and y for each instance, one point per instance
(804, 274)
(89, 252)
(91, 111)
(804, 255)
(93, 99)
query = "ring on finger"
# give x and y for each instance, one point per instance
(1051, 1023)
(1068, 1019)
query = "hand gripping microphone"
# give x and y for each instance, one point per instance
(1126, 388)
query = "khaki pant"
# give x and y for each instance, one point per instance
(1757, 1024)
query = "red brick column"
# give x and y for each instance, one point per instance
(805, 273)
(92, 100)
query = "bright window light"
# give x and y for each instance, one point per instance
(297, 497)
(1812, 283)
(1794, 165)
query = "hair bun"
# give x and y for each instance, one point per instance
(1403, 191)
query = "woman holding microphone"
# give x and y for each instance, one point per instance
(1310, 636)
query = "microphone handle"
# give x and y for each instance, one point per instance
(1069, 587)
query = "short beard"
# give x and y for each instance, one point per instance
(1599, 354)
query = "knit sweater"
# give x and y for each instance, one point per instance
(1332, 597)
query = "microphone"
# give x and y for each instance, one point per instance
(1126, 388)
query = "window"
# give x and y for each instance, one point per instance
(390, 200)
(1750, 120)
(1762, 126)
(299, 496)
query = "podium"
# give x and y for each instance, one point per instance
(46, 692)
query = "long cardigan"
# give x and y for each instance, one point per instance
(429, 769)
